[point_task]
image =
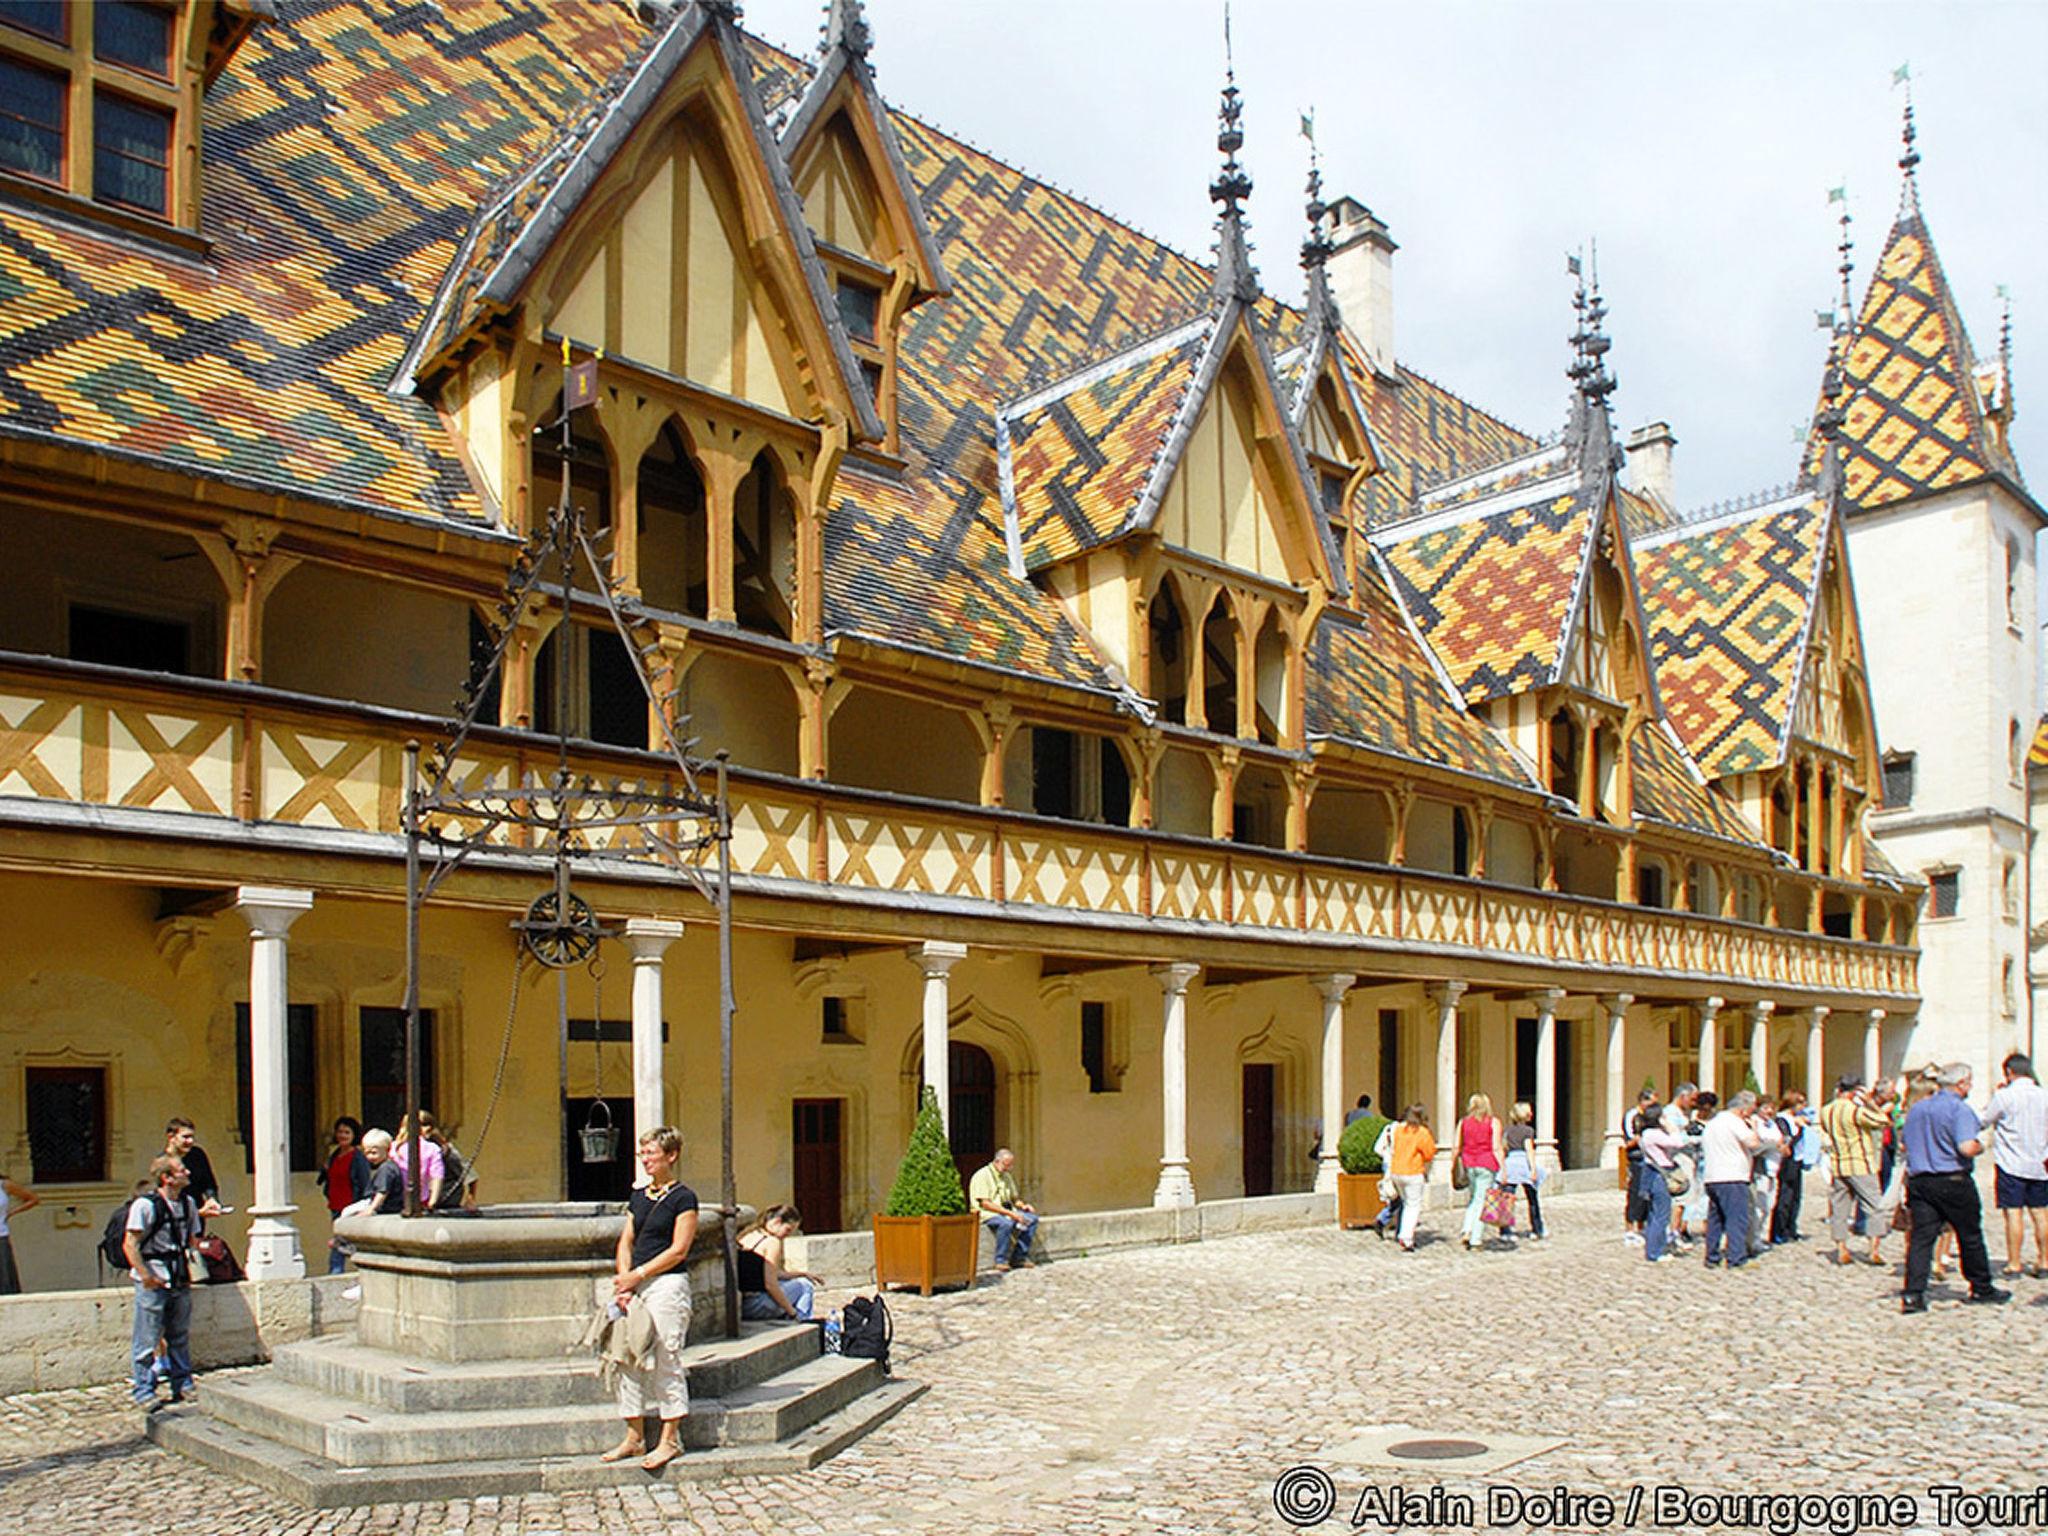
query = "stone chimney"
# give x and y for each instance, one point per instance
(1361, 276)
(1649, 463)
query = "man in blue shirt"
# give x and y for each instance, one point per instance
(1942, 1136)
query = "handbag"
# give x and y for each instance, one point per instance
(1498, 1209)
(1676, 1179)
(1459, 1178)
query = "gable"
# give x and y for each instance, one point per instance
(1606, 651)
(1323, 432)
(1219, 504)
(839, 196)
(662, 280)
(1832, 707)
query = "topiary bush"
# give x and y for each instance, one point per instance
(927, 1182)
(1354, 1147)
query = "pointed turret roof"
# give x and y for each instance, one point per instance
(1914, 418)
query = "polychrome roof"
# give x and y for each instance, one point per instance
(1491, 584)
(1079, 457)
(1668, 788)
(1914, 413)
(1371, 684)
(1726, 603)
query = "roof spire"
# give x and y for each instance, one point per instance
(1834, 385)
(1909, 193)
(1591, 431)
(1233, 184)
(847, 27)
(2005, 355)
(1316, 246)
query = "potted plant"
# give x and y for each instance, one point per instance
(926, 1236)
(1358, 1181)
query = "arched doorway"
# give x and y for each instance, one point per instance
(972, 1126)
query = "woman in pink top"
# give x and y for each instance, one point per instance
(1479, 1148)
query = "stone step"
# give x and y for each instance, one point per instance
(316, 1483)
(349, 1432)
(394, 1383)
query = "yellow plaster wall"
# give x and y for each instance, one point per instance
(57, 561)
(1511, 853)
(1213, 505)
(748, 708)
(1321, 431)
(1184, 793)
(319, 637)
(1349, 824)
(1429, 835)
(891, 741)
(839, 203)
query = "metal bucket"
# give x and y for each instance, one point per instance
(600, 1142)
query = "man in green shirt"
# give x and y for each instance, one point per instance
(993, 1194)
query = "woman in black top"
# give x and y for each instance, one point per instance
(652, 1247)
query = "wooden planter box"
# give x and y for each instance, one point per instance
(1358, 1199)
(926, 1251)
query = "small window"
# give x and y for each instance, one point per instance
(871, 375)
(2012, 581)
(2012, 888)
(1054, 790)
(1332, 486)
(1095, 1048)
(2015, 750)
(302, 1132)
(383, 1065)
(1898, 780)
(131, 154)
(860, 308)
(67, 1124)
(1461, 843)
(46, 18)
(114, 639)
(137, 35)
(1944, 893)
(1650, 886)
(2008, 997)
(839, 1020)
(32, 115)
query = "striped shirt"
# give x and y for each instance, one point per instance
(1847, 1128)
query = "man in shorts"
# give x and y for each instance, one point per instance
(2017, 1118)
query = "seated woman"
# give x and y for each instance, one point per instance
(767, 1290)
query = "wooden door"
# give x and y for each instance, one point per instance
(817, 1155)
(1258, 1128)
(972, 1128)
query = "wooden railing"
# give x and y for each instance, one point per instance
(102, 736)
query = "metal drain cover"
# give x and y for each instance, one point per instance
(1437, 1450)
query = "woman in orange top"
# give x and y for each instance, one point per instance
(1408, 1165)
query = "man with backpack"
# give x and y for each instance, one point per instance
(163, 1227)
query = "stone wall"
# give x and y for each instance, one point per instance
(80, 1338)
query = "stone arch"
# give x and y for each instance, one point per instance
(1294, 1092)
(1008, 1043)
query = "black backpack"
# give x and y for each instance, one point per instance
(453, 1168)
(112, 1239)
(865, 1330)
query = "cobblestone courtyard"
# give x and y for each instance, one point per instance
(1164, 1390)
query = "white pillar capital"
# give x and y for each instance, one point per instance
(1548, 1000)
(1445, 994)
(649, 937)
(1763, 1008)
(270, 910)
(1173, 979)
(1710, 1008)
(936, 958)
(1333, 986)
(1817, 1015)
(1615, 1004)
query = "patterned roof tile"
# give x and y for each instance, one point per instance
(1726, 602)
(1667, 789)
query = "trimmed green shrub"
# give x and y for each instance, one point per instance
(927, 1182)
(1750, 1084)
(1354, 1147)
(1650, 1086)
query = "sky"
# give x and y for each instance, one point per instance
(1694, 142)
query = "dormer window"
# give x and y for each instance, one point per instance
(101, 103)
(1330, 484)
(860, 308)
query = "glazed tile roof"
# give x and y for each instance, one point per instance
(1915, 418)
(1726, 602)
(2037, 749)
(1081, 458)
(1492, 584)
(1668, 788)
(1371, 684)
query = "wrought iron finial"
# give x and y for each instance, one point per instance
(1591, 430)
(1846, 269)
(1316, 247)
(846, 26)
(1909, 193)
(1233, 184)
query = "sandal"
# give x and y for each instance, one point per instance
(664, 1453)
(625, 1449)
(2011, 1273)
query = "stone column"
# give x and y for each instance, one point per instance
(1332, 987)
(1445, 995)
(1546, 1077)
(1615, 1006)
(1710, 1045)
(273, 1239)
(936, 960)
(648, 938)
(1760, 1044)
(1816, 1039)
(1175, 1187)
(1873, 1045)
